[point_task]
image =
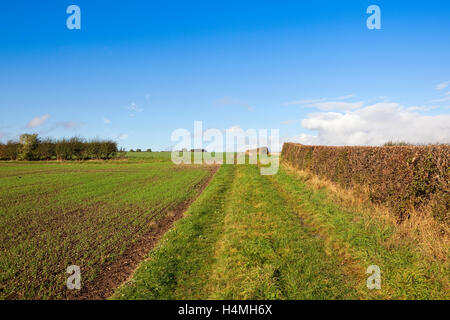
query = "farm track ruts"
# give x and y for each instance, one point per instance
(120, 270)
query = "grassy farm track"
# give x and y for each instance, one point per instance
(53, 215)
(273, 237)
(245, 244)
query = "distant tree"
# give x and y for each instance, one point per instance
(396, 144)
(131, 150)
(9, 151)
(149, 150)
(121, 153)
(76, 148)
(28, 146)
(45, 150)
(138, 150)
(63, 150)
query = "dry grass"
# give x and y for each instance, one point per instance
(432, 236)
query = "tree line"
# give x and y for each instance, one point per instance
(30, 147)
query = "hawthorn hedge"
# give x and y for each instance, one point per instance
(401, 177)
(31, 147)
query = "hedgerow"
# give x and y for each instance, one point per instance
(401, 177)
(30, 147)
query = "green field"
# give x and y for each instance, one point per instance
(152, 156)
(246, 236)
(88, 214)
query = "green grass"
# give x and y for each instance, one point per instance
(166, 156)
(273, 237)
(239, 241)
(176, 268)
(247, 236)
(53, 215)
(149, 156)
(405, 272)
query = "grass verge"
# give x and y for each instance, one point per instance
(365, 240)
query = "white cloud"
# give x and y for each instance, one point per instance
(234, 129)
(445, 99)
(135, 108)
(447, 93)
(314, 101)
(106, 121)
(374, 125)
(337, 105)
(442, 85)
(305, 101)
(421, 108)
(345, 97)
(37, 121)
(122, 136)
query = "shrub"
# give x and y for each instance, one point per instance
(401, 177)
(9, 151)
(63, 150)
(45, 150)
(28, 146)
(31, 147)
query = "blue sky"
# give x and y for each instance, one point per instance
(138, 70)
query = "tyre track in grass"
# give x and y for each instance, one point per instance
(265, 251)
(353, 272)
(239, 241)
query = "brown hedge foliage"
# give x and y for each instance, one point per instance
(401, 177)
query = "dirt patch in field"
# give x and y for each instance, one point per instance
(118, 271)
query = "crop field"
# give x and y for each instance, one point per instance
(101, 216)
(144, 228)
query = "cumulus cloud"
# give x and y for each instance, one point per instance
(106, 121)
(37, 121)
(442, 85)
(374, 125)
